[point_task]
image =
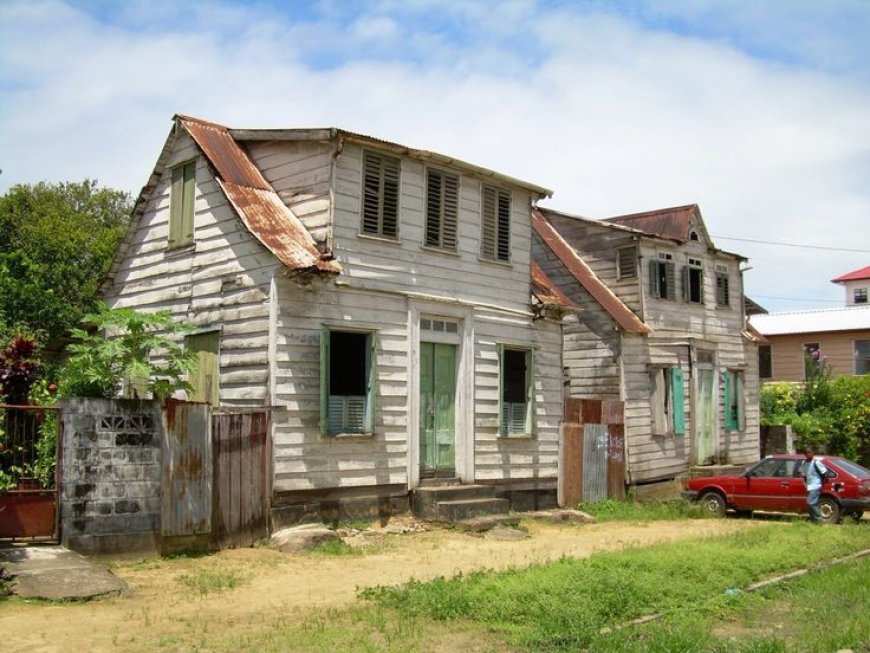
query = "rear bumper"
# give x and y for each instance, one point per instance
(855, 504)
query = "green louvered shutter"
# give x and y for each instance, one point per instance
(653, 279)
(678, 400)
(732, 421)
(502, 424)
(532, 419)
(371, 391)
(324, 381)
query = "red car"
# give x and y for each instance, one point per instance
(776, 483)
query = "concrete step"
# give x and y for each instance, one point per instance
(462, 509)
(425, 500)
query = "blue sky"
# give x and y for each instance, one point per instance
(755, 110)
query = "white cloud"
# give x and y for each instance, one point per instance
(614, 114)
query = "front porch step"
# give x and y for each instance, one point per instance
(427, 501)
(462, 509)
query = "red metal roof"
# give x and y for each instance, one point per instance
(547, 292)
(578, 268)
(670, 223)
(258, 205)
(855, 275)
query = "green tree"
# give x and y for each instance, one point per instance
(56, 243)
(132, 353)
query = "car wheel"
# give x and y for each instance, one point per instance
(830, 510)
(713, 503)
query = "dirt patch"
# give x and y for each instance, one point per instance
(242, 590)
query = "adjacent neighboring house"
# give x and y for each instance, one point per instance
(660, 326)
(856, 284)
(797, 342)
(380, 299)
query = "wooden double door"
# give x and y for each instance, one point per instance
(437, 410)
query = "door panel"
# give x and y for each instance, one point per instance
(437, 409)
(705, 423)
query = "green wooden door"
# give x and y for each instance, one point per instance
(437, 409)
(204, 379)
(705, 420)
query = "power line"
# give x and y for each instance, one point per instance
(771, 242)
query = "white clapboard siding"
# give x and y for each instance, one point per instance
(223, 280)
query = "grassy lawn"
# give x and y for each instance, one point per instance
(697, 587)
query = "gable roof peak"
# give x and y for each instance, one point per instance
(674, 223)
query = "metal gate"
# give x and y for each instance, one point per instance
(593, 451)
(29, 446)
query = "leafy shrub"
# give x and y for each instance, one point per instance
(120, 356)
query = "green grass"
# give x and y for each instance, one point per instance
(334, 548)
(611, 510)
(206, 582)
(564, 605)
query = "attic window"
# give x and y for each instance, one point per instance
(181, 201)
(626, 262)
(380, 196)
(495, 224)
(694, 235)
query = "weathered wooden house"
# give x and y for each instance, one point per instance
(661, 327)
(379, 299)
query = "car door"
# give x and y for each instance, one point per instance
(765, 487)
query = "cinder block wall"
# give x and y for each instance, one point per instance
(111, 475)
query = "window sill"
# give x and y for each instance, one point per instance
(438, 250)
(518, 436)
(504, 264)
(349, 436)
(380, 239)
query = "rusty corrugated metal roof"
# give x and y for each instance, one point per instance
(672, 223)
(621, 314)
(547, 292)
(259, 207)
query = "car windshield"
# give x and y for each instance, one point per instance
(853, 468)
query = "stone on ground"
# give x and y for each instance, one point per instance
(302, 538)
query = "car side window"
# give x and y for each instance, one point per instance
(766, 468)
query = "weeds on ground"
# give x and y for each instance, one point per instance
(612, 510)
(204, 581)
(564, 605)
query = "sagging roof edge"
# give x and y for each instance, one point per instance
(254, 200)
(547, 292)
(332, 133)
(606, 298)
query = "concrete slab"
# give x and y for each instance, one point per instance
(56, 573)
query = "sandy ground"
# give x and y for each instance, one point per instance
(161, 607)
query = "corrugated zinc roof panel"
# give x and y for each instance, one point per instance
(670, 223)
(225, 154)
(854, 275)
(852, 318)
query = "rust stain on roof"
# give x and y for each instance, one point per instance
(672, 223)
(578, 268)
(546, 291)
(258, 205)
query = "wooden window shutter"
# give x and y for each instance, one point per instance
(371, 390)
(626, 262)
(678, 401)
(670, 283)
(531, 412)
(730, 416)
(723, 290)
(324, 381)
(657, 400)
(380, 202)
(686, 283)
(442, 208)
(488, 223)
(502, 423)
(187, 210)
(654, 279)
(504, 226)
